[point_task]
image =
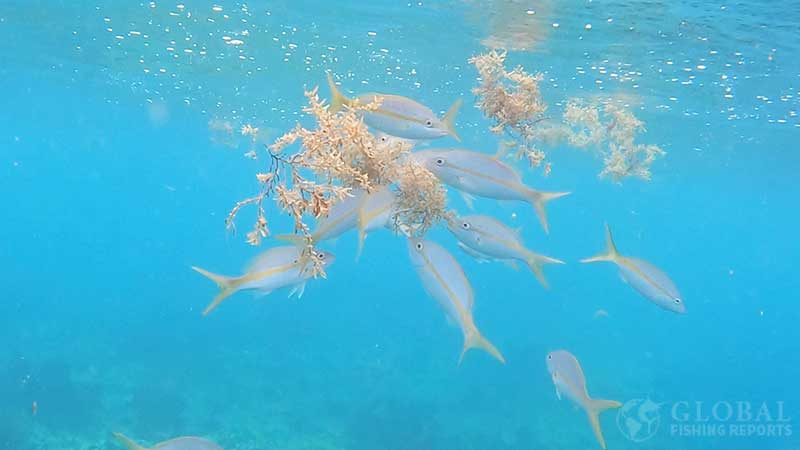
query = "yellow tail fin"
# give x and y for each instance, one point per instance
(593, 410)
(535, 262)
(474, 339)
(611, 253)
(129, 444)
(337, 98)
(538, 199)
(449, 120)
(227, 286)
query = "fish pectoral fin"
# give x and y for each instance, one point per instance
(478, 256)
(558, 393)
(511, 263)
(469, 200)
(362, 231)
(593, 410)
(258, 293)
(127, 442)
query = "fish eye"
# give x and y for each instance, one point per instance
(384, 138)
(549, 356)
(677, 301)
(321, 255)
(419, 245)
(465, 225)
(439, 161)
(429, 123)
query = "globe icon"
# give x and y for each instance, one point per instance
(639, 419)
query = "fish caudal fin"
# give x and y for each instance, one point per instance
(449, 120)
(611, 253)
(337, 98)
(538, 200)
(474, 339)
(535, 262)
(129, 444)
(593, 410)
(227, 286)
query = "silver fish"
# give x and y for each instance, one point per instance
(484, 176)
(342, 217)
(445, 281)
(400, 116)
(377, 211)
(181, 443)
(648, 280)
(492, 240)
(276, 268)
(567, 376)
(386, 140)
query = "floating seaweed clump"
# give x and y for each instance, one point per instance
(337, 157)
(513, 101)
(611, 129)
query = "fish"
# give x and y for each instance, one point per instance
(567, 376)
(386, 140)
(485, 176)
(276, 268)
(445, 281)
(489, 239)
(400, 116)
(650, 281)
(376, 211)
(181, 443)
(341, 218)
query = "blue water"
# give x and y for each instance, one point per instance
(114, 185)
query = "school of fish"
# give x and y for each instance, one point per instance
(472, 174)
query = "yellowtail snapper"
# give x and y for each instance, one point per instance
(484, 176)
(276, 268)
(567, 375)
(376, 211)
(400, 116)
(445, 281)
(648, 280)
(487, 238)
(181, 443)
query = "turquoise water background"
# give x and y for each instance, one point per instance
(113, 188)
